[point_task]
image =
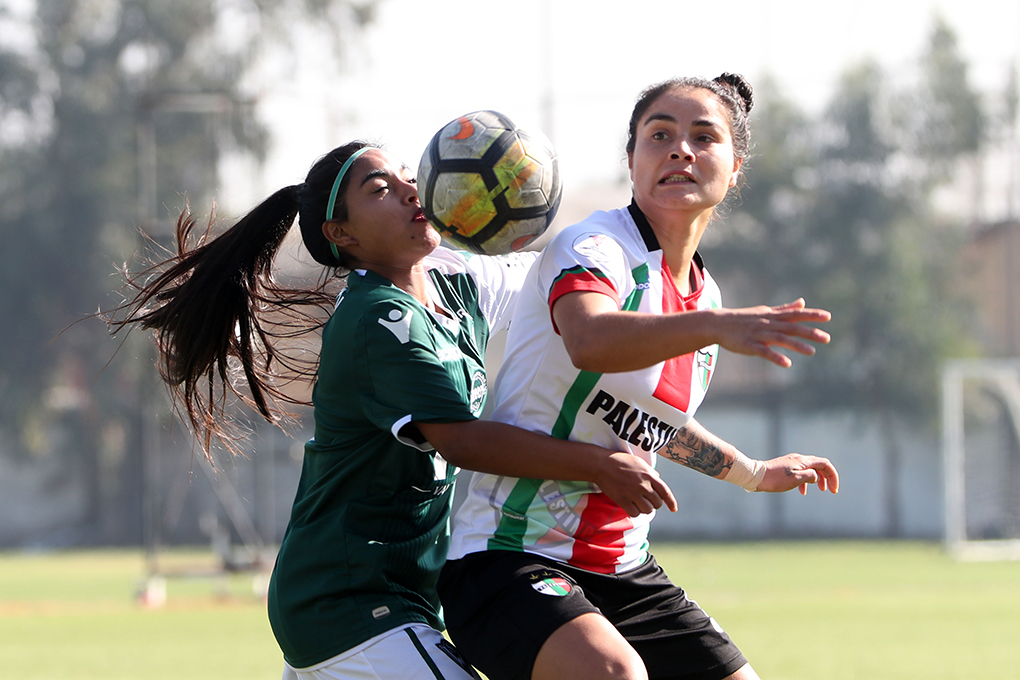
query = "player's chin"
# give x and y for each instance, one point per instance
(428, 237)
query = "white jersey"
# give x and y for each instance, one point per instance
(614, 253)
(498, 279)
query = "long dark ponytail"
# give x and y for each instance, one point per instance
(217, 312)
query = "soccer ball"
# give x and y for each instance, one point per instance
(487, 185)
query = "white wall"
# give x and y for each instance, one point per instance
(713, 509)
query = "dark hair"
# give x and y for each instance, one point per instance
(732, 90)
(314, 196)
(217, 312)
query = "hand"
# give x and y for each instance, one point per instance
(794, 471)
(633, 484)
(754, 330)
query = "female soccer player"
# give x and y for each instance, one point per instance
(400, 379)
(614, 340)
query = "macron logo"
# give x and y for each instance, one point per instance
(399, 325)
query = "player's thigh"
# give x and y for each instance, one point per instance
(676, 638)
(588, 648)
(416, 652)
(502, 606)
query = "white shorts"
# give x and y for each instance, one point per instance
(413, 652)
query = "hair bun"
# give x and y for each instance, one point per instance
(740, 86)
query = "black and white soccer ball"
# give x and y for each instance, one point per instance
(488, 185)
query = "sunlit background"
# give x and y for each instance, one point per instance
(884, 185)
(575, 68)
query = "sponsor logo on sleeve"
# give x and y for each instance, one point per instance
(399, 324)
(590, 245)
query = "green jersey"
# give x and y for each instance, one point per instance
(369, 527)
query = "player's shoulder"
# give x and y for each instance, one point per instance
(600, 220)
(616, 226)
(371, 307)
(450, 262)
(395, 319)
(367, 290)
(603, 238)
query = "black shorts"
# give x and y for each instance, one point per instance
(501, 606)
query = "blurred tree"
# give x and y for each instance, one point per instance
(769, 214)
(87, 93)
(839, 210)
(758, 248)
(1006, 124)
(948, 121)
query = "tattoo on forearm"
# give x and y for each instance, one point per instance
(691, 450)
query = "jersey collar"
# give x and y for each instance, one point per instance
(645, 229)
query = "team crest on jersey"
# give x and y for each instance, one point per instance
(706, 362)
(479, 389)
(705, 358)
(554, 585)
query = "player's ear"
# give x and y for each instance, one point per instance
(737, 162)
(335, 232)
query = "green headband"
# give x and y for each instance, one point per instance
(336, 187)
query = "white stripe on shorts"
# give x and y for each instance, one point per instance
(412, 652)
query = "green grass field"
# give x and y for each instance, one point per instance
(830, 610)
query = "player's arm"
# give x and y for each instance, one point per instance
(601, 338)
(498, 279)
(697, 448)
(502, 449)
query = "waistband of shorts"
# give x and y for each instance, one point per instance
(353, 651)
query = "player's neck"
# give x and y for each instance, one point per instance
(679, 241)
(415, 283)
(412, 280)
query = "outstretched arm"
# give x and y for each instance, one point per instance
(501, 449)
(697, 448)
(601, 338)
